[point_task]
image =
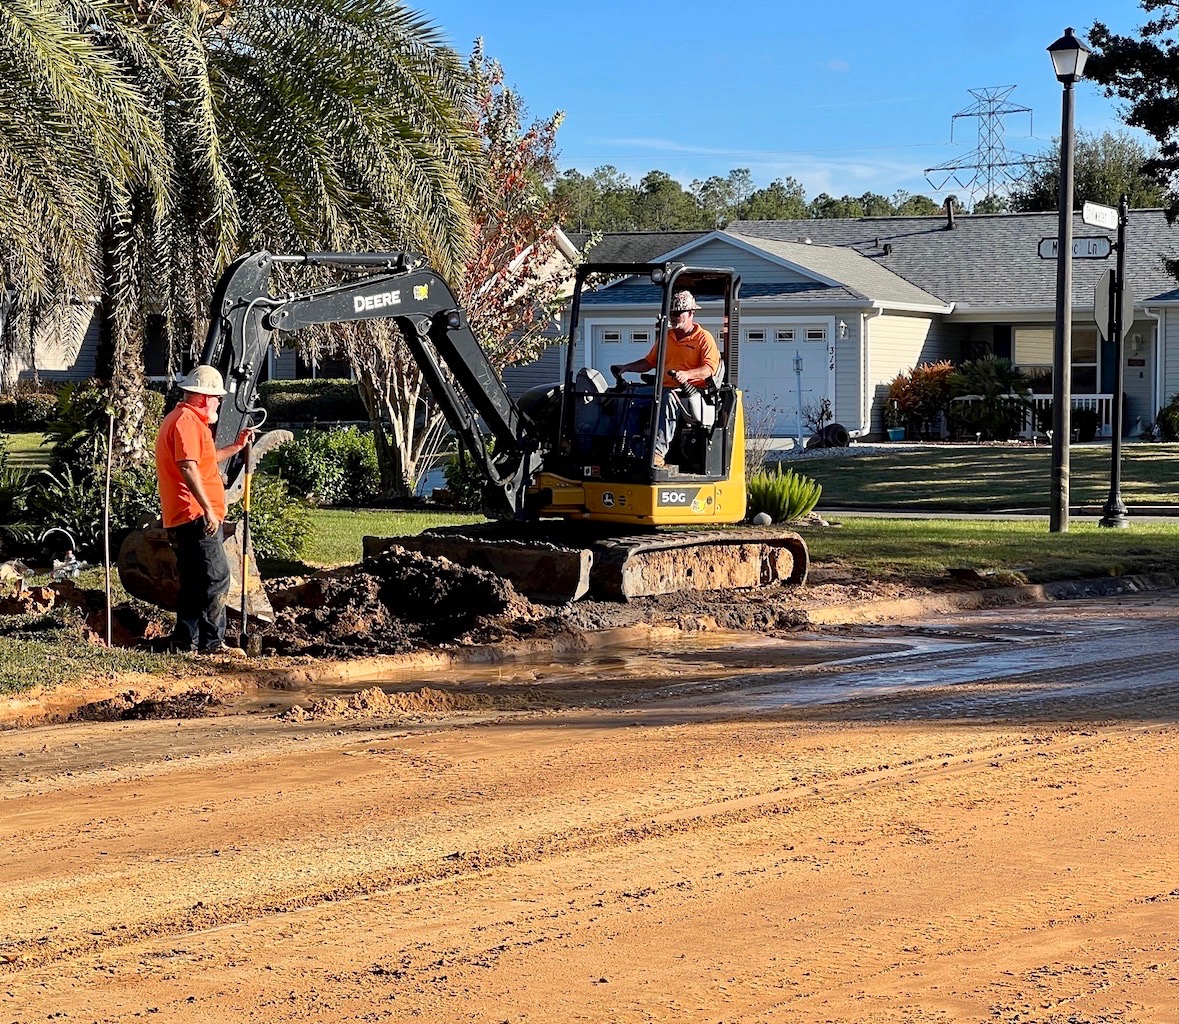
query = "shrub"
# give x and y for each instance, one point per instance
(1001, 407)
(330, 467)
(1167, 420)
(279, 525)
(32, 410)
(326, 400)
(921, 397)
(464, 481)
(783, 496)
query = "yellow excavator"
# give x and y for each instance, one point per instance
(578, 505)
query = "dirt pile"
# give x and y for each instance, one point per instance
(376, 703)
(394, 602)
(131, 705)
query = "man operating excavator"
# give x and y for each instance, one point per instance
(692, 358)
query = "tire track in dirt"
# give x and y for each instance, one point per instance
(847, 786)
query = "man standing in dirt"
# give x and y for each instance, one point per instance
(192, 497)
(692, 358)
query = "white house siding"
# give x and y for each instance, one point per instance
(753, 269)
(549, 368)
(897, 342)
(1169, 374)
(64, 349)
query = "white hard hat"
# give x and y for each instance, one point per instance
(204, 380)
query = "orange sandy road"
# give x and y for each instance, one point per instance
(598, 866)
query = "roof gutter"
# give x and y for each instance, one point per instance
(1156, 314)
(866, 396)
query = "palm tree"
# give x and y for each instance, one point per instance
(75, 139)
(213, 127)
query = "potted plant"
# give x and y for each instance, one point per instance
(894, 421)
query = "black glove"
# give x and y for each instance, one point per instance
(616, 369)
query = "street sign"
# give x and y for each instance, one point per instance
(1100, 216)
(1083, 248)
(1103, 305)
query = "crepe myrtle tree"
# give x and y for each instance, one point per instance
(511, 287)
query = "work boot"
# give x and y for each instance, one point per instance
(658, 461)
(221, 650)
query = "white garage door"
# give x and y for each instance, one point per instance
(615, 343)
(770, 382)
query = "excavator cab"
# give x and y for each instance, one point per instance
(601, 466)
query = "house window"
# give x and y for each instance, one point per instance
(816, 334)
(785, 335)
(1032, 353)
(643, 336)
(755, 336)
(611, 337)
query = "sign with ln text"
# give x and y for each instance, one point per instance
(1083, 248)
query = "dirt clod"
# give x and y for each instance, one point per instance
(376, 703)
(134, 706)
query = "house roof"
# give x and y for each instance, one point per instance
(988, 261)
(856, 272)
(632, 246)
(797, 292)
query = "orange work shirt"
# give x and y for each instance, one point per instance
(184, 436)
(697, 349)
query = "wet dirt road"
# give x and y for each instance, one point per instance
(970, 820)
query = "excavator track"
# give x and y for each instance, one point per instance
(557, 563)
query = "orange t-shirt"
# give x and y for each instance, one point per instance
(697, 349)
(185, 435)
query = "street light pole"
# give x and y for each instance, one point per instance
(1068, 59)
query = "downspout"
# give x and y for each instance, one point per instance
(1160, 348)
(865, 370)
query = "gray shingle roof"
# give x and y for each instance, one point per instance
(860, 274)
(987, 261)
(633, 246)
(649, 294)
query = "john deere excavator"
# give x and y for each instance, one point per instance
(577, 502)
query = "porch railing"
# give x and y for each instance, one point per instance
(1100, 404)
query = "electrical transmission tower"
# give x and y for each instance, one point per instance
(991, 169)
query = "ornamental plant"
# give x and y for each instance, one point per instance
(785, 496)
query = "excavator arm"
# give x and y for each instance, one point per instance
(247, 320)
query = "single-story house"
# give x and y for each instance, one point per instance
(858, 301)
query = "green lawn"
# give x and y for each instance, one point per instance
(336, 533)
(913, 549)
(26, 451)
(989, 479)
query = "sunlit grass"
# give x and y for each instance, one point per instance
(988, 478)
(336, 533)
(923, 548)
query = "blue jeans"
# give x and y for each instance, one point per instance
(669, 416)
(204, 581)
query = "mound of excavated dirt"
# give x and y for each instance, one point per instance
(376, 703)
(134, 706)
(388, 604)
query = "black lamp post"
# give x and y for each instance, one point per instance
(1068, 58)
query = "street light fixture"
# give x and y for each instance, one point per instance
(1068, 59)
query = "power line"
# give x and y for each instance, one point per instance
(991, 169)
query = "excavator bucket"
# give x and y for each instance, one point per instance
(147, 570)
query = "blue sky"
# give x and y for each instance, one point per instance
(847, 97)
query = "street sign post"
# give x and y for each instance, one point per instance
(1118, 297)
(1097, 248)
(1099, 216)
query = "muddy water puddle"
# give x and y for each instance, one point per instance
(696, 665)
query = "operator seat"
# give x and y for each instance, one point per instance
(700, 404)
